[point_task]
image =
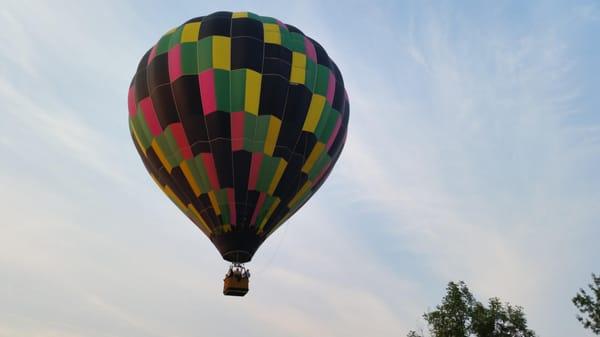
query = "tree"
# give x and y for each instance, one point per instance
(499, 320)
(589, 305)
(460, 315)
(452, 317)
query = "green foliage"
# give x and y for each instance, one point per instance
(499, 320)
(589, 306)
(453, 317)
(413, 334)
(460, 315)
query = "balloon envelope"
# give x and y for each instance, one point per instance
(239, 119)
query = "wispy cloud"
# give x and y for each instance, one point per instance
(57, 126)
(476, 172)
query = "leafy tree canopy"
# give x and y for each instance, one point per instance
(461, 315)
(588, 305)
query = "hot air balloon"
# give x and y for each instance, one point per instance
(239, 119)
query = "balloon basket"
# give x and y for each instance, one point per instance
(236, 281)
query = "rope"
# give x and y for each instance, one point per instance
(272, 257)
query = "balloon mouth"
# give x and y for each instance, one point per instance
(237, 246)
(237, 256)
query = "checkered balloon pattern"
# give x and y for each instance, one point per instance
(238, 118)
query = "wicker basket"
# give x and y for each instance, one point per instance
(235, 285)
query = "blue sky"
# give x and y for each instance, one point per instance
(473, 154)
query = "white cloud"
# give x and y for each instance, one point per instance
(477, 172)
(57, 126)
